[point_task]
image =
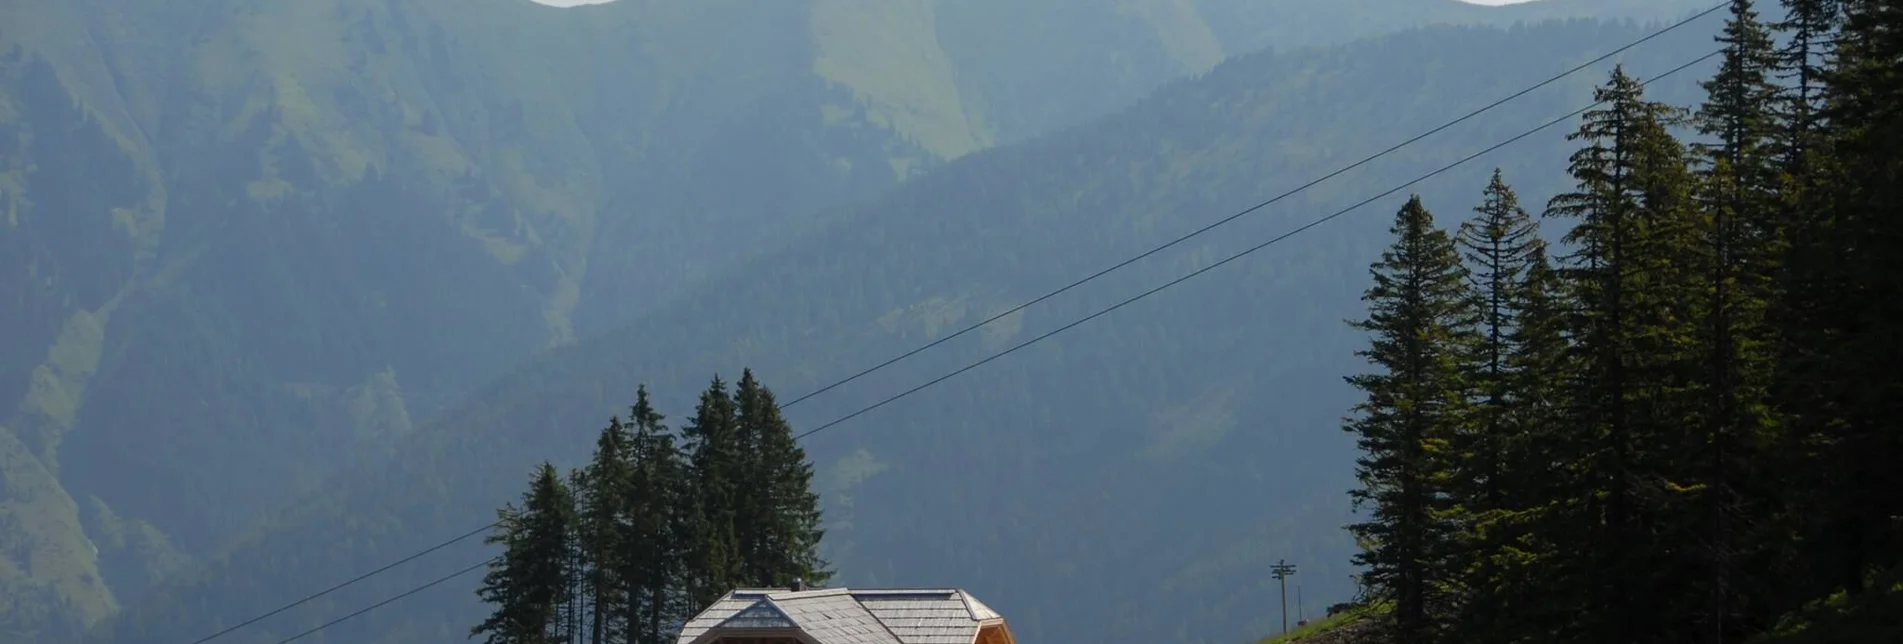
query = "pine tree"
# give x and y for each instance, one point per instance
(603, 502)
(1809, 294)
(1738, 175)
(529, 584)
(716, 468)
(1500, 244)
(1527, 560)
(1864, 254)
(1538, 370)
(1594, 407)
(578, 604)
(1418, 308)
(656, 545)
(781, 527)
(1811, 28)
(1631, 280)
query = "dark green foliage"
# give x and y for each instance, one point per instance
(1708, 382)
(530, 583)
(717, 470)
(1515, 337)
(1419, 313)
(1625, 285)
(1501, 246)
(1810, 36)
(652, 533)
(780, 520)
(657, 539)
(1855, 358)
(1739, 176)
(606, 493)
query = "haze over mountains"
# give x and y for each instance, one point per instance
(294, 288)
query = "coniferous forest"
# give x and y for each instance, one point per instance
(652, 529)
(1680, 422)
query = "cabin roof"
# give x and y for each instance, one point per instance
(850, 615)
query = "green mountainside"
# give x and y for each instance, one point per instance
(256, 240)
(1129, 480)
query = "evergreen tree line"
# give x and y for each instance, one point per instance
(656, 526)
(1685, 426)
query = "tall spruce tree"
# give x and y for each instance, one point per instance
(656, 546)
(1738, 175)
(717, 469)
(1537, 368)
(1418, 311)
(1865, 253)
(578, 606)
(1810, 28)
(780, 526)
(1631, 279)
(1809, 293)
(1500, 245)
(603, 509)
(1532, 606)
(529, 584)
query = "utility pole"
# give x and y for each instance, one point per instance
(1282, 571)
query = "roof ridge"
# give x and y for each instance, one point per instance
(810, 592)
(905, 591)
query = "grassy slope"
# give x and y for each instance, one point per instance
(1349, 626)
(59, 305)
(1186, 443)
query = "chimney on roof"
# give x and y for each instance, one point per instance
(798, 584)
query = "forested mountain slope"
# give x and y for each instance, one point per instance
(249, 242)
(1128, 480)
(256, 239)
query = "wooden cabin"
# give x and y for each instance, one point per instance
(847, 616)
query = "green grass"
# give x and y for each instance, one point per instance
(1314, 630)
(47, 554)
(890, 58)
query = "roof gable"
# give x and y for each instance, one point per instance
(762, 614)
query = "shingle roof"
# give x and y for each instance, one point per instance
(849, 615)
